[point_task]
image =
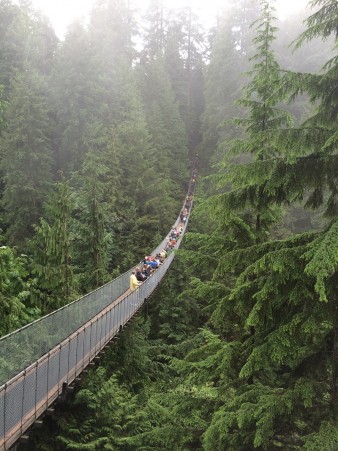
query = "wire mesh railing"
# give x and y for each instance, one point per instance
(38, 359)
(26, 396)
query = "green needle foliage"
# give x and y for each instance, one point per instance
(238, 350)
(52, 251)
(2, 108)
(284, 384)
(26, 155)
(93, 239)
(247, 189)
(14, 291)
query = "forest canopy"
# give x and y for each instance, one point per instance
(238, 348)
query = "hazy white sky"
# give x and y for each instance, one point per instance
(62, 12)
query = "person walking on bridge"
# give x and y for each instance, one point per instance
(134, 283)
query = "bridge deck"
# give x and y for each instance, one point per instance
(46, 356)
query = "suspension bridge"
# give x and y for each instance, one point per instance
(40, 362)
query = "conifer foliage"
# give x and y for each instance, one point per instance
(281, 392)
(26, 156)
(238, 350)
(93, 239)
(52, 250)
(14, 291)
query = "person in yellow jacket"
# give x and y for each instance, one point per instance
(134, 283)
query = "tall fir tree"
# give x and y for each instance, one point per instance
(167, 131)
(14, 31)
(230, 46)
(261, 98)
(52, 251)
(26, 155)
(26, 36)
(154, 35)
(93, 240)
(184, 56)
(15, 292)
(280, 389)
(2, 109)
(73, 80)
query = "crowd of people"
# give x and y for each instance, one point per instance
(150, 263)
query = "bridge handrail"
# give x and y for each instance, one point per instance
(25, 397)
(24, 346)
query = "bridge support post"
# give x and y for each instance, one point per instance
(63, 395)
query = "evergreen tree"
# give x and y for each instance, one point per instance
(138, 204)
(74, 78)
(106, 412)
(168, 136)
(25, 37)
(264, 117)
(155, 32)
(279, 388)
(92, 244)
(230, 46)
(15, 291)
(161, 107)
(114, 20)
(184, 57)
(26, 155)
(2, 108)
(52, 251)
(14, 26)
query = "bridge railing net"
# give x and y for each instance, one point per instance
(25, 397)
(26, 345)
(37, 360)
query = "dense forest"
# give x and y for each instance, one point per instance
(238, 347)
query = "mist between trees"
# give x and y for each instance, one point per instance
(237, 350)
